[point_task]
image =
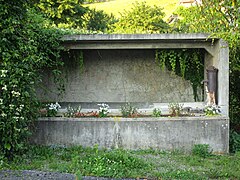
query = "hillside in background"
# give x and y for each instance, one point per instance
(116, 7)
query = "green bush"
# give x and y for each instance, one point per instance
(113, 163)
(141, 19)
(201, 150)
(26, 46)
(234, 144)
(97, 21)
(156, 112)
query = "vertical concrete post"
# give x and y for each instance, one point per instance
(221, 62)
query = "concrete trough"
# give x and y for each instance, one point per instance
(165, 133)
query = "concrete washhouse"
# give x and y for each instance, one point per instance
(121, 68)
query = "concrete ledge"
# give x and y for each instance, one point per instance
(129, 37)
(135, 133)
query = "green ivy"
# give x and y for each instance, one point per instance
(27, 44)
(187, 63)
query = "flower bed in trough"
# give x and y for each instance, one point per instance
(163, 131)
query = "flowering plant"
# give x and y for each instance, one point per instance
(103, 110)
(73, 112)
(52, 109)
(212, 110)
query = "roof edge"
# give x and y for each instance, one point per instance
(127, 37)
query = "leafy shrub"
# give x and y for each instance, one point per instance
(128, 110)
(113, 163)
(201, 150)
(156, 112)
(142, 19)
(97, 21)
(234, 144)
(175, 109)
(26, 46)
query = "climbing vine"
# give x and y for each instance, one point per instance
(187, 63)
(76, 56)
(27, 45)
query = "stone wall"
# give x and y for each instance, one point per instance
(119, 76)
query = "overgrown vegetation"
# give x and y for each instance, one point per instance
(26, 46)
(128, 110)
(29, 42)
(72, 14)
(234, 141)
(141, 19)
(221, 20)
(150, 164)
(188, 63)
(201, 150)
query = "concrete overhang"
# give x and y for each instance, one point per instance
(139, 41)
(217, 56)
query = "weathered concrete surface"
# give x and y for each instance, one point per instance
(140, 41)
(141, 133)
(217, 54)
(119, 76)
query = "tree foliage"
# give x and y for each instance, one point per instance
(97, 21)
(222, 20)
(26, 45)
(65, 14)
(142, 19)
(212, 16)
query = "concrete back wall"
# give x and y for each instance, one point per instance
(120, 76)
(139, 133)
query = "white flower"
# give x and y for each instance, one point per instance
(1, 101)
(11, 106)
(16, 94)
(3, 114)
(3, 74)
(103, 109)
(54, 107)
(4, 87)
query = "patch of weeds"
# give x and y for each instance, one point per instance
(79, 175)
(234, 143)
(201, 150)
(180, 174)
(212, 110)
(3, 161)
(119, 163)
(129, 110)
(215, 173)
(175, 109)
(150, 151)
(157, 112)
(73, 111)
(114, 163)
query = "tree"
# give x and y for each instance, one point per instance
(65, 14)
(222, 20)
(141, 19)
(97, 20)
(210, 16)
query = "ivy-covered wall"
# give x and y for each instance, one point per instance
(119, 76)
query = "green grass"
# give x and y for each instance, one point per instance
(118, 6)
(129, 164)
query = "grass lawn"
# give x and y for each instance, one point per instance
(130, 164)
(117, 6)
